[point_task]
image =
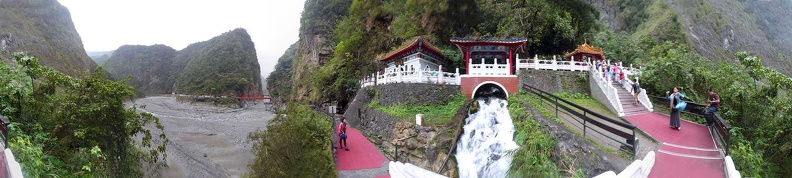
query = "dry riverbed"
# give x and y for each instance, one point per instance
(205, 141)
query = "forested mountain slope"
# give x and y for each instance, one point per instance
(43, 28)
(224, 65)
(147, 66)
(715, 29)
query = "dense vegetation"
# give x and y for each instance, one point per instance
(295, 144)
(75, 127)
(280, 81)
(755, 102)
(361, 30)
(224, 65)
(147, 66)
(433, 114)
(43, 28)
(534, 157)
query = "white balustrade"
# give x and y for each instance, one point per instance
(642, 97)
(412, 76)
(610, 92)
(552, 64)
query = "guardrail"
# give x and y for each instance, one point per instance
(721, 129)
(642, 97)
(588, 117)
(416, 76)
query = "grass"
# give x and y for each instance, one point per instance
(433, 114)
(534, 158)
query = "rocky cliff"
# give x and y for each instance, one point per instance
(715, 29)
(148, 67)
(224, 65)
(43, 28)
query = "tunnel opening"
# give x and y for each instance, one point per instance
(490, 90)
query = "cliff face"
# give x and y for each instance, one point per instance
(716, 29)
(148, 66)
(224, 65)
(43, 28)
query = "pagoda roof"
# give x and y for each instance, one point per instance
(585, 48)
(416, 43)
(488, 41)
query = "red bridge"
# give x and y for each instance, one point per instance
(265, 98)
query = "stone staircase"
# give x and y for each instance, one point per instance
(627, 101)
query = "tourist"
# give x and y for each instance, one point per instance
(713, 103)
(674, 99)
(608, 74)
(636, 89)
(342, 136)
(619, 63)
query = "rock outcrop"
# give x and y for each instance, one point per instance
(43, 28)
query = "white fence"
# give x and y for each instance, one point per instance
(642, 97)
(552, 64)
(610, 92)
(417, 76)
(489, 69)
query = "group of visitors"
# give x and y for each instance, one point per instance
(677, 105)
(611, 73)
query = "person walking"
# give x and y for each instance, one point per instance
(674, 99)
(713, 103)
(342, 136)
(636, 89)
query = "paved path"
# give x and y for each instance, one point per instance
(362, 160)
(689, 152)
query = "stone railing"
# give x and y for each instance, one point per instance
(417, 76)
(642, 97)
(552, 64)
(489, 69)
(608, 90)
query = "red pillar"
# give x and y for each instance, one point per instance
(467, 60)
(510, 63)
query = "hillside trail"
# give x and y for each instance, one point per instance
(205, 141)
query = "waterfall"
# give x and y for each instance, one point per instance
(488, 136)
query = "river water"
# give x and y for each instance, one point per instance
(488, 136)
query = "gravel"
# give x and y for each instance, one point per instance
(205, 141)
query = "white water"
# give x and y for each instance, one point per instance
(488, 135)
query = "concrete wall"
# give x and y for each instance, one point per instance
(599, 95)
(556, 81)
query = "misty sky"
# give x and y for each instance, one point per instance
(105, 25)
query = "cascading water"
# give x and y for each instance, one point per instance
(488, 135)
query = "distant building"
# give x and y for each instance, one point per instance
(415, 55)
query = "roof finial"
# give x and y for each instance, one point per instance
(585, 40)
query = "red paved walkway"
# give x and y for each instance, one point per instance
(361, 155)
(690, 152)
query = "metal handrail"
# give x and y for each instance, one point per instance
(721, 127)
(631, 139)
(4, 128)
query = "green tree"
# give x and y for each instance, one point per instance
(77, 127)
(295, 144)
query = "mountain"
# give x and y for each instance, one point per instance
(715, 29)
(148, 66)
(43, 28)
(100, 57)
(224, 65)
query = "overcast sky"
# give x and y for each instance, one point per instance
(105, 25)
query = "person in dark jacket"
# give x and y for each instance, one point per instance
(713, 103)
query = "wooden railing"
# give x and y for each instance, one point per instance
(590, 118)
(720, 129)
